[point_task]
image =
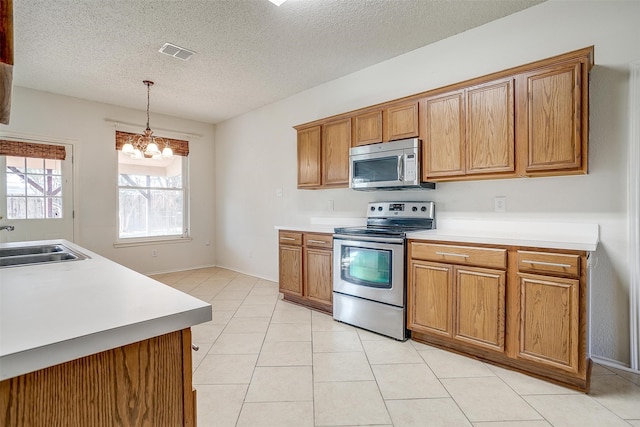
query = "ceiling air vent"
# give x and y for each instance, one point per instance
(176, 51)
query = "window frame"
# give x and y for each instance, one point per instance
(167, 238)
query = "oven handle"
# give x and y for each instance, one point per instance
(364, 238)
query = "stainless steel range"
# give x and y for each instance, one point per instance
(369, 286)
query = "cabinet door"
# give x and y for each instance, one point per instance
(291, 270)
(318, 275)
(549, 321)
(429, 297)
(367, 128)
(490, 128)
(336, 141)
(443, 148)
(401, 121)
(479, 315)
(309, 152)
(557, 117)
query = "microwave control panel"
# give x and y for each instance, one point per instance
(410, 167)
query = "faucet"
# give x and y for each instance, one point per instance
(7, 227)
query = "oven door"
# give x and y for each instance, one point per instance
(370, 268)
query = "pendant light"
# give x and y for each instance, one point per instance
(146, 145)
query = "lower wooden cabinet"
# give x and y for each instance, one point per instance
(306, 269)
(147, 383)
(521, 308)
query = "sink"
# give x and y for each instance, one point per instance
(37, 254)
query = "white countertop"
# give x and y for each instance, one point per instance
(57, 312)
(550, 235)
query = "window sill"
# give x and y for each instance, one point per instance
(148, 242)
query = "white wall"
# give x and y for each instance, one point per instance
(256, 152)
(84, 123)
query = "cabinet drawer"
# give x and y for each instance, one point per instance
(544, 262)
(318, 240)
(464, 255)
(290, 238)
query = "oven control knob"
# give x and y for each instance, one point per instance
(423, 209)
(373, 208)
(415, 209)
(380, 208)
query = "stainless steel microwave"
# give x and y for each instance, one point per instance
(387, 166)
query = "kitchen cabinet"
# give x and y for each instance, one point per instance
(367, 128)
(400, 121)
(469, 131)
(550, 314)
(144, 383)
(518, 307)
(323, 155)
(554, 118)
(456, 299)
(309, 158)
(527, 121)
(306, 268)
(336, 142)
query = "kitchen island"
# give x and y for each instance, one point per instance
(90, 342)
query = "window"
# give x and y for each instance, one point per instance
(33, 188)
(152, 198)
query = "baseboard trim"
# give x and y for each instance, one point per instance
(613, 364)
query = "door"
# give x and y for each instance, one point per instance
(444, 145)
(309, 152)
(555, 118)
(336, 141)
(430, 296)
(317, 272)
(370, 270)
(479, 317)
(490, 128)
(36, 197)
(291, 270)
(549, 321)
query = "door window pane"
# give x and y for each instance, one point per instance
(33, 188)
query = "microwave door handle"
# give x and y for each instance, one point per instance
(401, 168)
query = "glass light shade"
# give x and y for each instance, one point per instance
(128, 149)
(167, 152)
(137, 154)
(152, 149)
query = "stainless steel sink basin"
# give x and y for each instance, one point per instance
(37, 254)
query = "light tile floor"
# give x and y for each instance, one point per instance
(266, 362)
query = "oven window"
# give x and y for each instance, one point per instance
(376, 170)
(366, 267)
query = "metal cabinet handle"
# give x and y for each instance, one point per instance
(194, 347)
(551, 264)
(287, 238)
(317, 241)
(450, 254)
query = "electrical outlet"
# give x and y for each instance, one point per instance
(154, 253)
(330, 205)
(278, 192)
(500, 204)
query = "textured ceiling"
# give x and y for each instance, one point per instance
(249, 52)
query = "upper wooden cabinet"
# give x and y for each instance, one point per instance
(554, 118)
(323, 155)
(531, 120)
(400, 121)
(336, 141)
(309, 157)
(367, 128)
(469, 131)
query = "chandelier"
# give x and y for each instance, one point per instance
(146, 145)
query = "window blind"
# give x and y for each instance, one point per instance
(179, 147)
(33, 150)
